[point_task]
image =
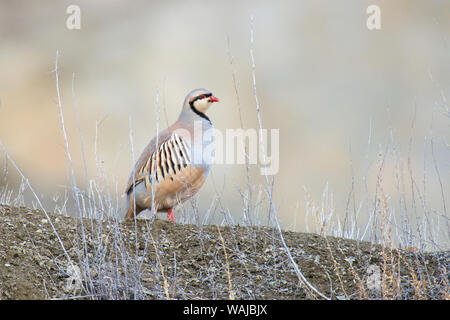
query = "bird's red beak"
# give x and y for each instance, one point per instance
(213, 99)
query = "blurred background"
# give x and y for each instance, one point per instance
(323, 79)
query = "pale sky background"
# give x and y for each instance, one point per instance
(322, 78)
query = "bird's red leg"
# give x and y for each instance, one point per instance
(170, 215)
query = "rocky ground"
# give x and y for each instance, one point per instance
(60, 257)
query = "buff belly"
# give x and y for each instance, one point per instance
(172, 190)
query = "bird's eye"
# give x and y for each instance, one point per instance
(202, 96)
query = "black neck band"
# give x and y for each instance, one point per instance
(200, 114)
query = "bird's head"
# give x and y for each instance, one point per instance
(199, 100)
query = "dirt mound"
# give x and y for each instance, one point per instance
(178, 261)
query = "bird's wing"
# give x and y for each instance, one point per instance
(173, 154)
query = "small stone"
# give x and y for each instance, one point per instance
(73, 282)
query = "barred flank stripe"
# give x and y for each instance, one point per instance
(166, 168)
(169, 162)
(184, 154)
(166, 161)
(176, 150)
(188, 154)
(172, 157)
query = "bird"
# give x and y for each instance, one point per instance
(175, 164)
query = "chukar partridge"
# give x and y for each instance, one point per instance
(175, 164)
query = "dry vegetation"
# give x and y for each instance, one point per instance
(172, 261)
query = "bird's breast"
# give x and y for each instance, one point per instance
(203, 147)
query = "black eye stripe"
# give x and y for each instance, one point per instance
(201, 96)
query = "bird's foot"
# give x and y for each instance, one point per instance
(170, 215)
